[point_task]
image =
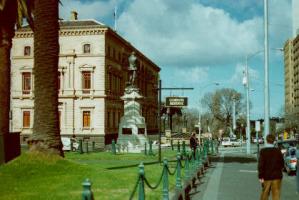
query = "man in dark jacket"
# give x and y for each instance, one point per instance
(193, 143)
(270, 167)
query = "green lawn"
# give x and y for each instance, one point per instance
(35, 176)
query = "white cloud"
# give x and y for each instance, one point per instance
(238, 75)
(187, 34)
(193, 75)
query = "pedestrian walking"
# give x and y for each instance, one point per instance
(270, 167)
(193, 143)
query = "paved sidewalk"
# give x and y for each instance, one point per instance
(234, 177)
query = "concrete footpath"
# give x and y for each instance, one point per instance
(233, 176)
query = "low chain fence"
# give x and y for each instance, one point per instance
(192, 162)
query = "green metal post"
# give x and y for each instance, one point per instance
(171, 143)
(80, 147)
(145, 150)
(178, 183)
(193, 165)
(86, 146)
(150, 151)
(187, 171)
(141, 193)
(199, 155)
(196, 158)
(208, 146)
(184, 148)
(113, 147)
(93, 146)
(179, 146)
(212, 146)
(87, 193)
(165, 180)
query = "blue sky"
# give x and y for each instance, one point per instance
(199, 42)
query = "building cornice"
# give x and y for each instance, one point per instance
(74, 31)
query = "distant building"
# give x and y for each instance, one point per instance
(291, 66)
(295, 17)
(93, 64)
(289, 76)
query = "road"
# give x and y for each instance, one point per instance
(234, 177)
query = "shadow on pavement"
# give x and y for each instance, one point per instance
(232, 159)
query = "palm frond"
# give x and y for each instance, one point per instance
(2, 4)
(25, 10)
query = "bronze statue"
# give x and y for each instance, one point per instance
(132, 69)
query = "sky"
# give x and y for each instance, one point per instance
(198, 43)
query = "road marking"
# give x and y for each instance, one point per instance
(248, 171)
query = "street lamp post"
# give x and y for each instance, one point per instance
(246, 85)
(266, 59)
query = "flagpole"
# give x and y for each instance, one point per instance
(115, 20)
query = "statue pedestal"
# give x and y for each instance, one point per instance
(132, 133)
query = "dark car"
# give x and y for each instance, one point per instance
(288, 149)
(283, 145)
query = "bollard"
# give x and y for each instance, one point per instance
(171, 143)
(72, 144)
(150, 151)
(197, 157)
(178, 183)
(187, 172)
(80, 147)
(113, 148)
(93, 145)
(179, 146)
(86, 146)
(212, 146)
(141, 194)
(184, 148)
(165, 190)
(193, 165)
(87, 193)
(145, 150)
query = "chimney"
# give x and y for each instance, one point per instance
(74, 15)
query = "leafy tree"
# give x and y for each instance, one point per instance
(219, 106)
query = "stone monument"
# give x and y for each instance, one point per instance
(132, 133)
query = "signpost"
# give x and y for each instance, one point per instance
(159, 109)
(176, 101)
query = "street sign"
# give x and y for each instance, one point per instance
(176, 101)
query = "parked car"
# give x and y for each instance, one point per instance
(226, 142)
(290, 160)
(260, 140)
(288, 149)
(235, 142)
(283, 145)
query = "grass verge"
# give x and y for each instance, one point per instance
(38, 176)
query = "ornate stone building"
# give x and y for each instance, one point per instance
(93, 63)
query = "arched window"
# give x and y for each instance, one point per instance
(27, 50)
(86, 48)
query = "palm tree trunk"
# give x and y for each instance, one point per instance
(4, 93)
(46, 133)
(7, 21)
